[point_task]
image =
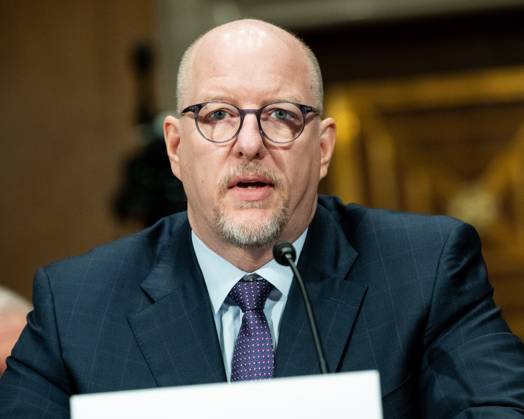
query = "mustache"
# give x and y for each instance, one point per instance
(249, 169)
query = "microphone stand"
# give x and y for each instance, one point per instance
(285, 254)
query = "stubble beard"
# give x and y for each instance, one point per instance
(251, 234)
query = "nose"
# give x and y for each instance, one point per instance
(249, 143)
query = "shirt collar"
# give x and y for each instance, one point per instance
(220, 275)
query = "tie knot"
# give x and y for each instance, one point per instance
(250, 293)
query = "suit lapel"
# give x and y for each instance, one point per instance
(176, 333)
(325, 263)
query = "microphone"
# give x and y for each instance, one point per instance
(284, 253)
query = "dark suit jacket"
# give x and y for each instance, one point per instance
(404, 294)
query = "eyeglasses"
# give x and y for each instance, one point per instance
(280, 122)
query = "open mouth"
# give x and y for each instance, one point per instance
(251, 187)
(250, 183)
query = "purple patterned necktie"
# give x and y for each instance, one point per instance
(253, 357)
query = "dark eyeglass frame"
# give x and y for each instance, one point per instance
(305, 109)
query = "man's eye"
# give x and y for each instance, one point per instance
(284, 115)
(281, 114)
(217, 115)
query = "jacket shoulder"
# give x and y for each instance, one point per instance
(357, 220)
(135, 253)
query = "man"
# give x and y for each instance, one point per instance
(176, 304)
(13, 310)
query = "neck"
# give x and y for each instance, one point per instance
(248, 260)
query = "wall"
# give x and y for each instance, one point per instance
(66, 114)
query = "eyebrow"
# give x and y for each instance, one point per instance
(225, 99)
(215, 99)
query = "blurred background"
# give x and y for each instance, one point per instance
(428, 96)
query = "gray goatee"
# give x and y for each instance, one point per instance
(248, 234)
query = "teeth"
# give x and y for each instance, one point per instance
(251, 185)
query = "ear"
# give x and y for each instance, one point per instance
(171, 128)
(328, 134)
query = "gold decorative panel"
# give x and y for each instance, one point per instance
(447, 144)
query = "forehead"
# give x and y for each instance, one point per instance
(250, 65)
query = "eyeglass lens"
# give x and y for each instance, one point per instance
(280, 122)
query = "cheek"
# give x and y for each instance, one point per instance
(199, 176)
(303, 164)
(193, 178)
(191, 159)
(300, 170)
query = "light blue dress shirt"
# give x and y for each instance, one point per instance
(220, 277)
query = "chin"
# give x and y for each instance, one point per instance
(251, 227)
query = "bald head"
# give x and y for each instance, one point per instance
(248, 34)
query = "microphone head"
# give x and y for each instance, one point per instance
(281, 252)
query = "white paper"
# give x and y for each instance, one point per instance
(333, 396)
